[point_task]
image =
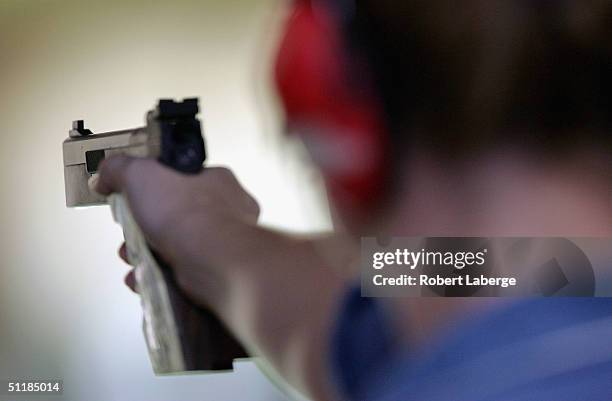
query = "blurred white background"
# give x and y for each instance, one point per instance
(64, 312)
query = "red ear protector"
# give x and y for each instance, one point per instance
(329, 100)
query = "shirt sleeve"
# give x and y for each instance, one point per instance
(363, 343)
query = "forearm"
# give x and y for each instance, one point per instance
(281, 299)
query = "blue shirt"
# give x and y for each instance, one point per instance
(550, 349)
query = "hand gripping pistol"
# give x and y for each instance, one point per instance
(180, 336)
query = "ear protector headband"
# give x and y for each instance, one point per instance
(330, 102)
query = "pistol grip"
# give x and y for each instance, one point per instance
(180, 335)
(205, 341)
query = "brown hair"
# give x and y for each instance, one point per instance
(460, 75)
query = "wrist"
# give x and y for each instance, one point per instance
(232, 253)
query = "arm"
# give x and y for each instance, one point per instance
(277, 293)
(283, 303)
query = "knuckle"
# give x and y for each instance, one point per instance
(222, 174)
(224, 171)
(139, 174)
(135, 169)
(253, 206)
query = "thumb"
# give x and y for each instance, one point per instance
(113, 174)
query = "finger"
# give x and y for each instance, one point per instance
(123, 253)
(130, 281)
(252, 208)
(112, 174)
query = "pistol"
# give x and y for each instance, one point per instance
(180, 336)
